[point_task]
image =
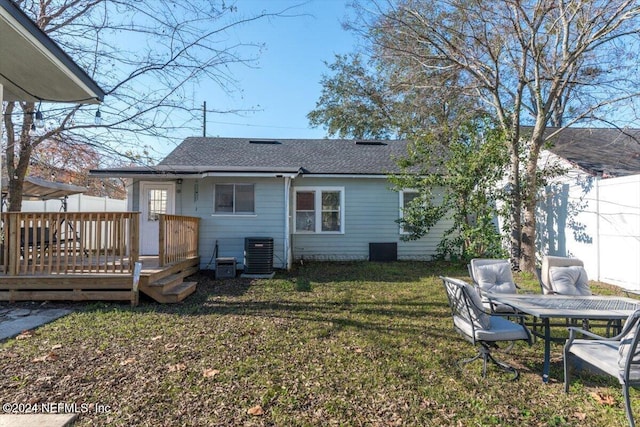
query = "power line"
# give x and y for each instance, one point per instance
(258, 126)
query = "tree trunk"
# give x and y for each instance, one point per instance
(16, 182)
(515, 219)
(19, 172)
(529, 203)
(528, 253)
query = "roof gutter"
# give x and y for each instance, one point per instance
(151, 173)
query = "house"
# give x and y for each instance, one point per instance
(315, 199)
(592, 211)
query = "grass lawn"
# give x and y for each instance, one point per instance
(325, 344)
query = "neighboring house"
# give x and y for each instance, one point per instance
(592, 212)
(317, 199)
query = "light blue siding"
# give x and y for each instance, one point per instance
(370, 213)
(371, 209)
(230, 230)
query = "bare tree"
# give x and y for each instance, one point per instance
(148, 55)
(537, 63)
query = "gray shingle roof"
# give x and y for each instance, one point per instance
(315, 156)
(610, 152)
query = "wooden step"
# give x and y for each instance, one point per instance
(178, 292)
(186, 268)
(181, 290)
(166, 284)
(168, 281)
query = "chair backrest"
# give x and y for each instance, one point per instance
(466, 307)
(492, 275)
(629, 354)
(563, 275)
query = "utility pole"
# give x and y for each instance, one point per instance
(204, 119)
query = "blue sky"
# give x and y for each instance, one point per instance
(286, 84)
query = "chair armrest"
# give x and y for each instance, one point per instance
(573, 331)
(521, 316)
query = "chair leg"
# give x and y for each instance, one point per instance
(627, 405)
(484, 352)
(463, 362)
(504, 366)
(566, 370)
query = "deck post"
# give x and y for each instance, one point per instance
(137, 269)
(134, 224)
(161, 239)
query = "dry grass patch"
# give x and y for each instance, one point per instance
(326, 344)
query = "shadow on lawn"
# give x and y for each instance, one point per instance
(395, 271)
(299, 303)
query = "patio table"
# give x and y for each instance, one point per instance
(547, 307)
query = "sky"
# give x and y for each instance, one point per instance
(285, 86)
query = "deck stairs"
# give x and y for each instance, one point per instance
(167, 284)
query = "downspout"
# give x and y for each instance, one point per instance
(288, 261)
(287, 243)
(597, 228)
(1, 139)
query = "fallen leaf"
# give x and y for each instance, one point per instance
(49, 357)
(208, 373)
(156, 338)
(127, 361)
(177, 367)
(603, 399)
(580, 416)
(25, 334)
(358, 350)
(170, 346)
(10, 354)
(255, 411)
(56, 347)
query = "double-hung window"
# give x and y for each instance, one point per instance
(406, 198)
(234, 199)
(319, 210)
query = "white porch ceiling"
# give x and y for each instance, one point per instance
(34, 68)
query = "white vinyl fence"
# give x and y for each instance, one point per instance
(618, 215)
(76, 203)
(596, 220)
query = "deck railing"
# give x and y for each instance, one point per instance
(178, 238)
(68, 242)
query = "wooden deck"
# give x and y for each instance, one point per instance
(164, 284)
(41, 260)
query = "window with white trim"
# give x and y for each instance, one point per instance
(319, 210)
(234, 199)
(406, 197)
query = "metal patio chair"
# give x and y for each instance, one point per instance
(563, 276)
(492, 275)
(479, 327)
(617, 356)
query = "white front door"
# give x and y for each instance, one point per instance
(155, 199)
